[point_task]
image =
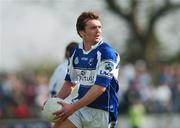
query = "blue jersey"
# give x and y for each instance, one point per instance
(98, 66)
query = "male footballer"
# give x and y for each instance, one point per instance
(94, 65)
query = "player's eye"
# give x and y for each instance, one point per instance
(96, 27)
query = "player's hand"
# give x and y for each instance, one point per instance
(64, 113)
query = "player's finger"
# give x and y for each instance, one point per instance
(64, 117)
(58, 112)
(59, 117)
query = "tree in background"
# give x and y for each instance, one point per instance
(143, 42)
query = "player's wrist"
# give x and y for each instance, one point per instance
(76, 106)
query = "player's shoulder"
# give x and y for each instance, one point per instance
(106, 48)
(107, 51)
(105, 45)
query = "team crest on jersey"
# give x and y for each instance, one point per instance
(109, 66)
(106, 68)
(91, 61)
(76, 61)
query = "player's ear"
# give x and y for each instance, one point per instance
(81, 33)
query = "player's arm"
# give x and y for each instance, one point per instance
(66, 90)
(91, 95)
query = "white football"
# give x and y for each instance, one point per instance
(50, 107)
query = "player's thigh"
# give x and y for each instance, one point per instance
(100, 119)
(93, 118)
(64, 124)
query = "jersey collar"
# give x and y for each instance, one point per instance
(92, 47)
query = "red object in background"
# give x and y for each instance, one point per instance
(22, 111)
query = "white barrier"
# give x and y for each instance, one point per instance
(151, 121)
(24, 123)
(154, 121)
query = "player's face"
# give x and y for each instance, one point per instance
(92, 32)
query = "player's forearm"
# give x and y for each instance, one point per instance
(65, 90)
(90, 96)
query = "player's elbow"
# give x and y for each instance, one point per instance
(101, 89)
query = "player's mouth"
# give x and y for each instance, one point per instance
(98, 36)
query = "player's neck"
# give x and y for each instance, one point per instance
(88, 45)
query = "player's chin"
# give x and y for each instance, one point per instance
(97, 39)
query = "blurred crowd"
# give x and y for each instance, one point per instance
(22, 96)
(137, 86)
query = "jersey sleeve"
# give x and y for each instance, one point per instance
(71, 75)
(67, 77)
(106, 67)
